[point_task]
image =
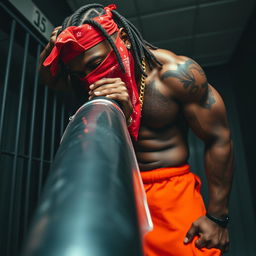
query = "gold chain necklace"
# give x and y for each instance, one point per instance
(142, 89)
(142, 83)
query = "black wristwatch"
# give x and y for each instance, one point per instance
(221, 222)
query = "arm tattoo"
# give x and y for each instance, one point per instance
(207, 99)
(185, 75)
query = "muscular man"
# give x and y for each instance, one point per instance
(97, 52)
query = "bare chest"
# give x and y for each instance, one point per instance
(159, 109)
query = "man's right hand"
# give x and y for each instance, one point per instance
(54, 36)
(44, 54)
(57, 82)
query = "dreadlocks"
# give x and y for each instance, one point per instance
(140, 48)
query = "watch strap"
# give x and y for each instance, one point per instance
(221, 222)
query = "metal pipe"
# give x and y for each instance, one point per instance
(88, 205)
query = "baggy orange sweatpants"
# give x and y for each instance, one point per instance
(174, 201)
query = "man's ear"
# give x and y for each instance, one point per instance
(124, 37)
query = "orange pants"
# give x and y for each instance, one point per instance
(174, 201)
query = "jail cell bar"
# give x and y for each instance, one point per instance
(32, 120)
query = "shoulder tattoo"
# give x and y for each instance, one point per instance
(184, 73)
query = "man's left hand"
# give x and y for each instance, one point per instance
(211, 235)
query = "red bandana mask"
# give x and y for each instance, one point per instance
(75, 40)
(110, 68)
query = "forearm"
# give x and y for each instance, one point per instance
(219, 171)
(44, 72)
(58, 82)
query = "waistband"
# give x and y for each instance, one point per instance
(164, 173)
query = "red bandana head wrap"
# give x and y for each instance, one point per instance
(72, 41)
(75, 40)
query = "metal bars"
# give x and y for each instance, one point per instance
(42, 141)
(14, 175)
(30, 151)
(32, 118)
(53, 127)
(6, 80)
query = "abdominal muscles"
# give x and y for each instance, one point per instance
(161, 148)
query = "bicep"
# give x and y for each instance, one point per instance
(203, 106)
(207, 117)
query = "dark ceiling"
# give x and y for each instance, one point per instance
(206, 30)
